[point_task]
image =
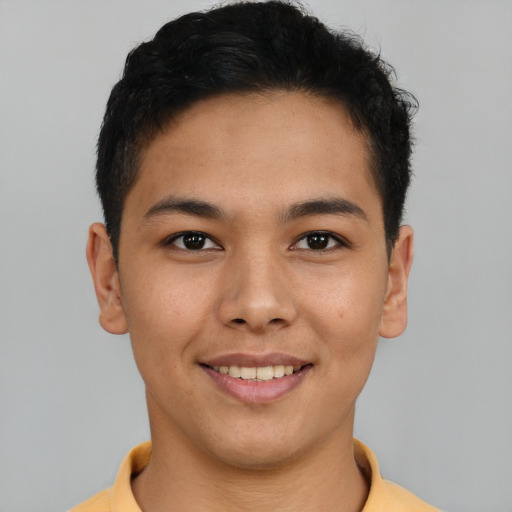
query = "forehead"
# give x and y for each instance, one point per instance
(263, 149)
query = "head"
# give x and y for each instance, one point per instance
(252, 48)
(253, 168)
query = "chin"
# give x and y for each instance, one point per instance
(261, 452)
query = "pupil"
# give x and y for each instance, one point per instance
(318, 241)
(193, 241)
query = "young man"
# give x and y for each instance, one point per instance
(252, 167)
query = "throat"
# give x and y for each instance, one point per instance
(166, 485)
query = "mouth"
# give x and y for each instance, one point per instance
(257, 373)
(255, 380)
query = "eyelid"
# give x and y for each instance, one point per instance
(169, 241)
(341, 241)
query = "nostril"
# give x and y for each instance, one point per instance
(239, 321)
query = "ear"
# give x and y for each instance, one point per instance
(394, 312)
(106, 280)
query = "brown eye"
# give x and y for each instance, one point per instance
(319, 241)
(192, 241)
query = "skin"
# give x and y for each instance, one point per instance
(257, 287)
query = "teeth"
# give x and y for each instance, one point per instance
(265, 373)
(234, 371)
(247, 373)
(257, 373)
(279, 371)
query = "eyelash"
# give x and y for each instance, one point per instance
(331, 237)
(174, 238)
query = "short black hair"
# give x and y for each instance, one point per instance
(253, 47)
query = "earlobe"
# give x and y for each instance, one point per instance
(394, 311)
(106, 280)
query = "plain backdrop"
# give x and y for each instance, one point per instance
(437, 408)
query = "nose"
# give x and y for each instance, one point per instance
(256, 293)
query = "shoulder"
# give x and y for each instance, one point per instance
(403, 500)
(100, 502)
(119, 497)
(384, 495)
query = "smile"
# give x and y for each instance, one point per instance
(257, 373)
(250, 382)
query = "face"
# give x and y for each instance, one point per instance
(253, 277)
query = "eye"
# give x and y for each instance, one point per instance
(319, 241)
(192, 241)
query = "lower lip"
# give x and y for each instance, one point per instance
(256, 391)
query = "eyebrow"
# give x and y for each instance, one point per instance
(194, 207)
(330, 206)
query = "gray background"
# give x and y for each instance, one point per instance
(437, 408)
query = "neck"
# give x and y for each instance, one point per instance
(326, 478)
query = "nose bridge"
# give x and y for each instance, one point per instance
(256, 293)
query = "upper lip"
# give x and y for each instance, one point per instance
(255, 360)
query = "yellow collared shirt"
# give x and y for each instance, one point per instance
(384, 496)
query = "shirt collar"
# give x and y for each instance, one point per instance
(138, 458)
(122, 495)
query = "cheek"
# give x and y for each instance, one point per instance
(164, 312)
(348, 300)
(345, 311)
